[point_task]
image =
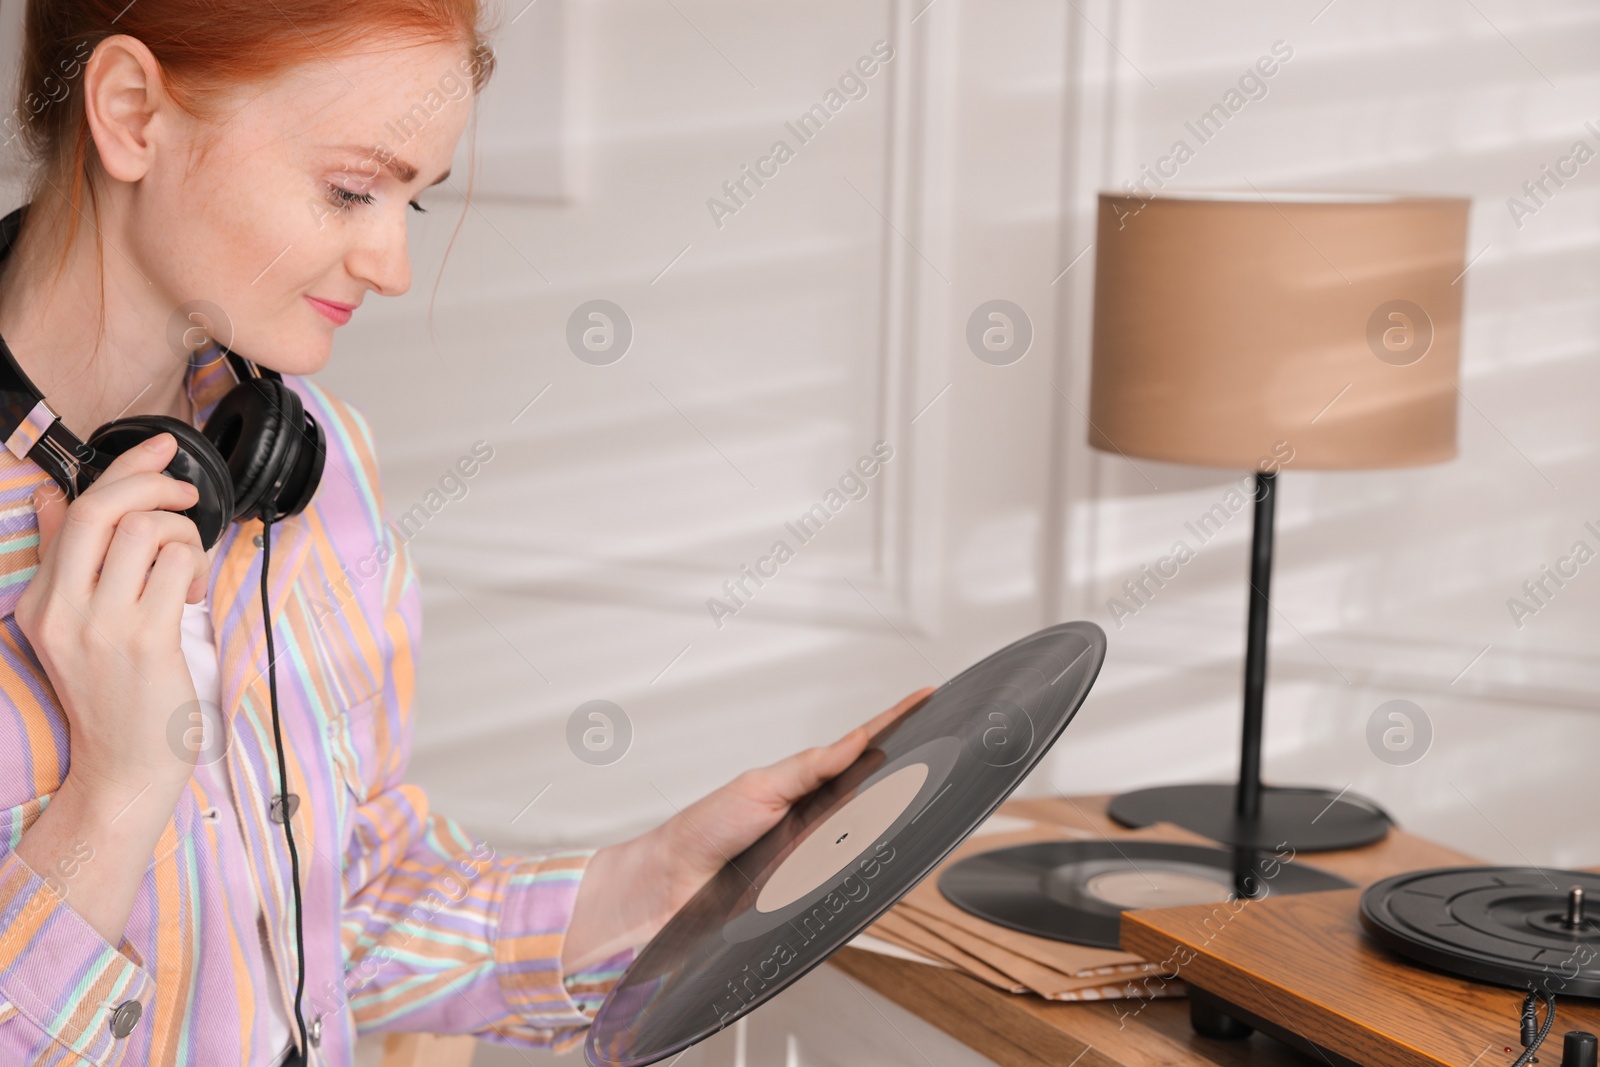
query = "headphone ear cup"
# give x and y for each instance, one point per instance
(272, 448)
(307, 473)
(196, 461)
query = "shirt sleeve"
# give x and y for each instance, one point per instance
(442, 934)
(60, 980)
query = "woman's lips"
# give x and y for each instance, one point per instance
(339, 313)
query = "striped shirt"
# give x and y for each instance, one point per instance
(410, 923)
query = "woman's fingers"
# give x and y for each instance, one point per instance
(858, 738)
(885, 718)
(133, 482)
(173, 572)
(790, 779)
(136, 544)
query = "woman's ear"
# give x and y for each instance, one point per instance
(123, 100)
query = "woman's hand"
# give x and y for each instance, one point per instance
(104, 614)
(630, 890)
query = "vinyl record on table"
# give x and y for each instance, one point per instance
(1522, 927)
(1077, 890)
(843, 855)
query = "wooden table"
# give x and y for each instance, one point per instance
(1027, 1031)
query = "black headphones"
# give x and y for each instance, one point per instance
(260, 454)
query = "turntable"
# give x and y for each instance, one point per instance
(1457, 965)
(1521, 927)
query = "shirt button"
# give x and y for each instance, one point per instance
(315, 1030)
(125, 1018)
(276, 810)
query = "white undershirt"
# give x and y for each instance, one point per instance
(200, 649)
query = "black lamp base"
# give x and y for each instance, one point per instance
(1304, 819)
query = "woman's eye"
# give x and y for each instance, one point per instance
(343, 198)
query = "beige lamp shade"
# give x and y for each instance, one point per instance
(1229, 325)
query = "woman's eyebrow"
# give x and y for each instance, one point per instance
(402, 170)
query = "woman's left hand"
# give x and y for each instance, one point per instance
(630, 890)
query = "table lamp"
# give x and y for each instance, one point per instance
(1266, 332)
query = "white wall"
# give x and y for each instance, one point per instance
(807, 327)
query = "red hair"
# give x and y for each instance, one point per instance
(202, 47)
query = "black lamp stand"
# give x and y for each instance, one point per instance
(1249, 813)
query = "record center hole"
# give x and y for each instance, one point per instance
(867, 816)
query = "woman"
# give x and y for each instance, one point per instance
(260, 156)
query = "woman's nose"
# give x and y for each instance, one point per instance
(381, 258)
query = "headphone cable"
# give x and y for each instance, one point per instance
(283, 779)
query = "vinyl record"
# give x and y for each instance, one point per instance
(843, 855)
(1522, 927)
(1077, 890)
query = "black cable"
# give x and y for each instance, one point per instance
(283, 784)
(1529, 1013)
(1529, 1023)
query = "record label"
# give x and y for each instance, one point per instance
(1157, 889)
(845, 854)
(830, 847)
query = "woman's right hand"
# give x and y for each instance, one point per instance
(104, 614)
